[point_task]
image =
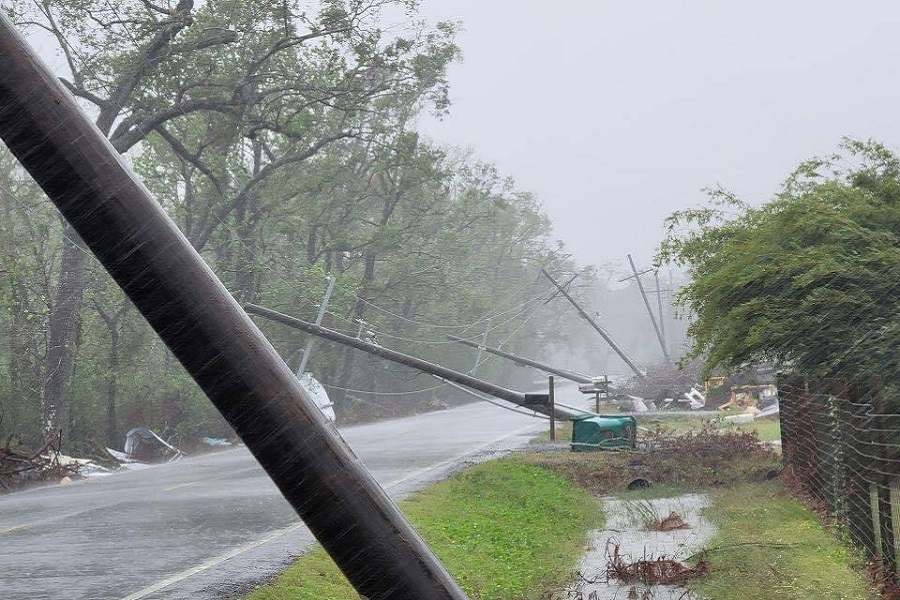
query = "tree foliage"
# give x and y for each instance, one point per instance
(281, 138)
(809, 280)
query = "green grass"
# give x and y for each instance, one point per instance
(563, 433)
(770, 547)
(505, 529)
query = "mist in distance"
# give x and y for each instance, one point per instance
(616, 114)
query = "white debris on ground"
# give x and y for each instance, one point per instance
(625, 527)
(120, 456)
(84, 467)
(752, 413)
(216, 442)
(696, 399)
(638, 405)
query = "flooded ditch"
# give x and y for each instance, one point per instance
(643, 540)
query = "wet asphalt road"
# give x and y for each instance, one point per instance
(211, 526)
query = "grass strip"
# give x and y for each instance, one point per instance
(505, 529)
(771, 547)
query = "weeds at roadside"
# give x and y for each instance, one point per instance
(689, 460)
(644, 514)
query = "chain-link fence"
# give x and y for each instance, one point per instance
(841, 447)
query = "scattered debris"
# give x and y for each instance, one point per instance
(638, 405)
(120, 456)
(752, 413)
(670, 523)
(747, 396)
(645, 514)
(143, 445)
(695, 399)
(216, 442)
(652, 571)
(20, 468)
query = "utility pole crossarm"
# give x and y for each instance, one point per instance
(520, 360)
(597, 328)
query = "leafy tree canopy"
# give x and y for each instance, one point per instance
(807, 281)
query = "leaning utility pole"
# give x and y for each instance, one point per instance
(522, 361)
(321, 315)
(535, 402)
(659, 337)
(659, 303)
(596, 326)
(226, 354)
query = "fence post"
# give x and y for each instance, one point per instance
(552, 410)
(874, 506)
(895, 522)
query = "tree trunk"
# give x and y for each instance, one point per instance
(62, 332)
(112, 387)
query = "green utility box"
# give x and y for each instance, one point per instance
(594, 433)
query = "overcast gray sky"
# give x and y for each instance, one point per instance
(616, 113)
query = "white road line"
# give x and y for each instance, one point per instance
(180, 485)
(57, 518)
(161, 585)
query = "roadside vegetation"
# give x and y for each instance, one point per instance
(771, 547)
(691, 460)
(805, 281)
(284, 161)
(768, 428)
(768, 545)
(514, 528)
(506, 529)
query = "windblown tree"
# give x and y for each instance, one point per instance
(809, 280)
(284, 144)
(264, 85)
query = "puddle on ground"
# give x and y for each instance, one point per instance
(625, 526)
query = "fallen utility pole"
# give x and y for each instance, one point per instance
(226, 354)
(535, 402)
(640, 284)
(522, 361)
(612, 343)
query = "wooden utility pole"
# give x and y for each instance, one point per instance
(659, 302)
(186, 304)
(659, 337)
(552, 397)
(536, 402)
(522, 361)
(596, 326)
(323, 308)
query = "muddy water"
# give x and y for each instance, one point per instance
(625, 526)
